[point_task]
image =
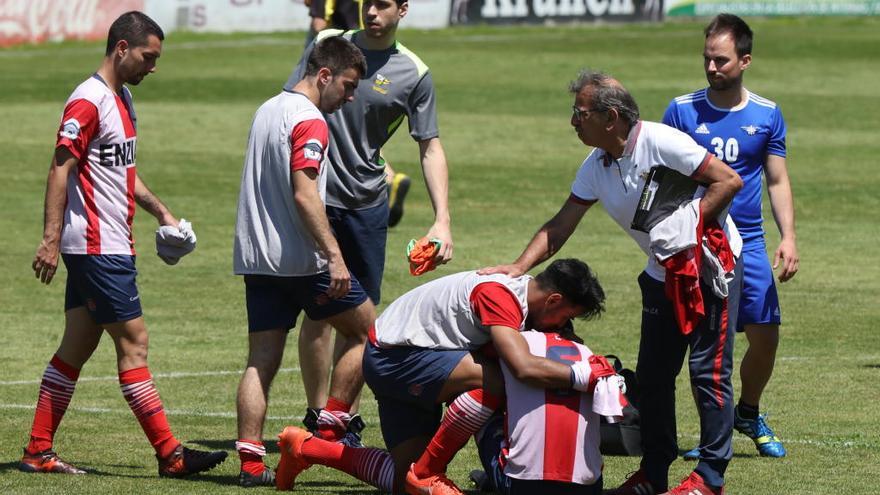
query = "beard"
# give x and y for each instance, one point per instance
(725, 83)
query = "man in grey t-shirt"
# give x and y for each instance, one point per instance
(397, 85)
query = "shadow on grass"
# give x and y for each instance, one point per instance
(871, 366)
(214, 444)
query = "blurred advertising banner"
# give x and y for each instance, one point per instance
(543, 11)
(36, 21)
(705, 8)
(227, 16)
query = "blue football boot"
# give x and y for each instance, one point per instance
(759, 431)
(692, 455)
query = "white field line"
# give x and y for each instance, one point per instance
(229, 414)
(171, 374)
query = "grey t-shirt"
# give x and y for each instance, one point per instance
(397, 85)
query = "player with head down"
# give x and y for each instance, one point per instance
(427, 348)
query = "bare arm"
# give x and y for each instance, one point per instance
(46, 258)
(311, 210)
(526, 367)
(782, 205)
(547, 241)
(722, 184)
(436, 174)
(150, 202)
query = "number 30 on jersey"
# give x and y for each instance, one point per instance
(728, 151)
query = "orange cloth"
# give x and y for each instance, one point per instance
(422, 255)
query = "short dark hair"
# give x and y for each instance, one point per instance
(576, 282)
(134, 27)
(607, 94)
(736, 27)
(337, 54)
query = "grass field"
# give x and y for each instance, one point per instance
(504, 116)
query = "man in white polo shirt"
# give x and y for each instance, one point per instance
(606, 117)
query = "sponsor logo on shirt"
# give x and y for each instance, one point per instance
(379, 85)
(70, 129)
(701, 129)
(751, 130)
(313, 150)
(117, 154)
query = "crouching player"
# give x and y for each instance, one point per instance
(548, 441)
(425, 351)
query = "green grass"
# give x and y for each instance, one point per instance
(504, 116)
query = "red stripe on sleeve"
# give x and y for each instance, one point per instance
(79, 124)
(703, 165)
(495, 304)
(308, 144)
(580, 201)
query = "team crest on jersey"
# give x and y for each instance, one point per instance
(751, 130)
(313, 150)
(70, 129)
(379, 85)
(701, 129)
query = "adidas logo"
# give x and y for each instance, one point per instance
(701, 129)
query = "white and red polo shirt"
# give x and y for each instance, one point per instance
(551, 434)
(99, 127)
(454, 312)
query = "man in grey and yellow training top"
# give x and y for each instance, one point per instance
(397, 85)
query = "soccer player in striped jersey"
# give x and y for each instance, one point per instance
(91, 193)
(747, 132)
(548, 440)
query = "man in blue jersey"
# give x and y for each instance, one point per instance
(747, 132)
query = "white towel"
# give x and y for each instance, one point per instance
(606, 397)
(173, 243)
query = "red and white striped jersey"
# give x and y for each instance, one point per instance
(551, 434)
(98, 127)
(454, 312)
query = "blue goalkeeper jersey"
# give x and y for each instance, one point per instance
(742, 137)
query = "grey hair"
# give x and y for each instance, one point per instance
(607, 94)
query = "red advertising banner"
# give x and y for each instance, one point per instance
(36, 21)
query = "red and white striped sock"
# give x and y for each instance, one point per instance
(370, 465)
(143, 399)
(333, 420)
(56, 389)
(467, 413)
(251, 453)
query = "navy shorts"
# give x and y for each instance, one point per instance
(759, 301)
(406, 382)
(276, 302)
(361, 235)
(104, 284)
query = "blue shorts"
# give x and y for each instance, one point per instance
(759, 301)
(406, 382)
(361, 235)
(104, 284)
(276, 302)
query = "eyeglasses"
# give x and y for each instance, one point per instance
(579, 114)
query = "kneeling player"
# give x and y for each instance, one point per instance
(548, 440)
(425, 350)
